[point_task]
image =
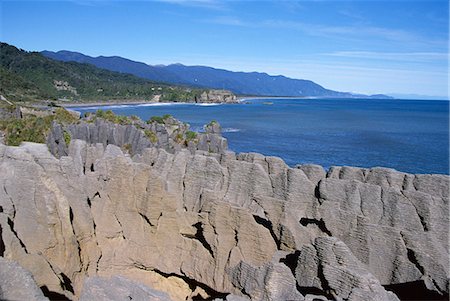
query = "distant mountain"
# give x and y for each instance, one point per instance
(243, 83)
(30, 76)
(117, 64)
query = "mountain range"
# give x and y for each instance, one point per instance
(241, 83)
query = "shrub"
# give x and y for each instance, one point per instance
(157, 119)
(151, 135)
(179, 138)
(67, 137)
(100, 113)
(111, 117)
(190, 135)
(64, 116)
(32, 129)
(127, 147)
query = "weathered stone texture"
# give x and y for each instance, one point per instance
(218, 225)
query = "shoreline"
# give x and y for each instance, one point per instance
(121, 103)
(240, 100)
(102, 103)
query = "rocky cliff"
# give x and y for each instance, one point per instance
(134, 136)
(96, 223)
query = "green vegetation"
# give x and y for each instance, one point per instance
(190, 135)
(134, 118)
(111, 117)
(212, 122)
(179, 138)
(64, 116)
(127, 147)
(159, 119)
(151, 135)
(67, 138)
(33, 128)
(29, 76)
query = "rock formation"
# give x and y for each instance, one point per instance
(171, 135)
(196, 224)
(217, 96)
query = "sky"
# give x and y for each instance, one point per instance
(365, 46)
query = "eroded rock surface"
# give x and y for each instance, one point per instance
(16, 283)
(171, 135)
(196, 224)
(118, 288)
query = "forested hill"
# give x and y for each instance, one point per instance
(30, 76)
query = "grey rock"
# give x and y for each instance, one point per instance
(217, 96)
(272, 281)
(193, 222)
(118, 288)
(329, 265)
(16, 283)
(10, 111)
(213, 128)
(136, 137)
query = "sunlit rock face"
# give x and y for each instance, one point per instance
(199, 224)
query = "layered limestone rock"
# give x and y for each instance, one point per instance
(119, 288)
(197, 224)
(171, 135)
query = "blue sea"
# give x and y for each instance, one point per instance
(408, 135)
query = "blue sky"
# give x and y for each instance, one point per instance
(363, 46)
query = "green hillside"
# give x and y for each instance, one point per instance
(29, 76)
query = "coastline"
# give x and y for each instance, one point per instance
(102, 103)
(125, 102)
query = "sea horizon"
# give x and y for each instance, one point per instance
(406, 135)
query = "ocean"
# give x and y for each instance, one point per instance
(407, 135)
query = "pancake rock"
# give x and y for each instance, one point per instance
(198, 224)
(171, 135)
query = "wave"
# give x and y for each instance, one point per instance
(101, 107)
(153, 104)
(201, 129)
(207, 104)
(161, 104)
(230, 130)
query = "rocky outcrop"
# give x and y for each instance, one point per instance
(198, 224)
(171, 135)
(217, 96)
(329, 265)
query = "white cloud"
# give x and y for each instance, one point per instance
(394, 56)
(350, 32)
